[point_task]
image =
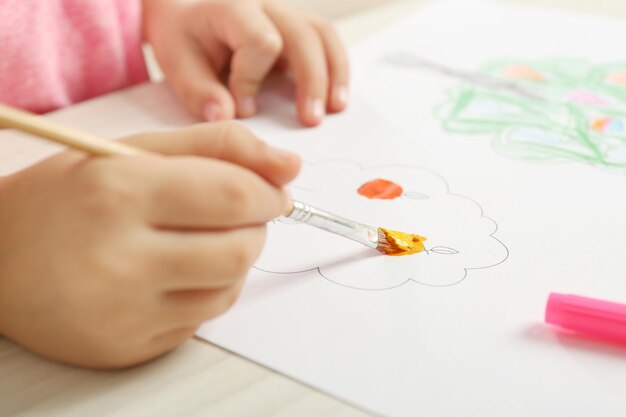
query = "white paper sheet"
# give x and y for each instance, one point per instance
(525, 179)
(457, 330)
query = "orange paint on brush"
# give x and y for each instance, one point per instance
(394, 243)
(523, 72)
(380, 189)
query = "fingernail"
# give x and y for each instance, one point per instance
(340, 97)
(316, 109)
(246, 106)
(212, 112)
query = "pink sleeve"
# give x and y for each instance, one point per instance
(58, 52)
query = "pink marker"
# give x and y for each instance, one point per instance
(602, 319)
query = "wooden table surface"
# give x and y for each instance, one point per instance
(200, 378)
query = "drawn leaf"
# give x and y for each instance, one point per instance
(416, 195)
(443, 250)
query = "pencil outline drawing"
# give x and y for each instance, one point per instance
(419, 198)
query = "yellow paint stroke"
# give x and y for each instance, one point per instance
(399, 243)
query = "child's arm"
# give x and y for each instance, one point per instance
(109, 262)
(196, 42)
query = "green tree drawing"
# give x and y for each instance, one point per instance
(576, 112)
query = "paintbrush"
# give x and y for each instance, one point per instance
(385, 241)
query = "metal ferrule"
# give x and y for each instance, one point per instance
(362, 233)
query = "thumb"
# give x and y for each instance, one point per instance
(227, 141)
(198, 86)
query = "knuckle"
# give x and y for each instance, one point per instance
(104, 192)
(258, 147)
(232, 129)
(314, 78)
(205, 139)
(238, 196)
(180, 264)
(122, 276)
(242, 258)
(267, 43)
(184, 90)
(188, 89)
(226, 133)
(121, 270)
(318, 79)
(322, 24)
(233, 137)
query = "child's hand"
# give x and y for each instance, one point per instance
(197, 41)
(108, 262)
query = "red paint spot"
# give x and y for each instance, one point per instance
(380, 189)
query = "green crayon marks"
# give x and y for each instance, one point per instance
(573, 111)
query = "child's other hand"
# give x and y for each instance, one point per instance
(109, 262)
(198, 41)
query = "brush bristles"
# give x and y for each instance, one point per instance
(393, 243)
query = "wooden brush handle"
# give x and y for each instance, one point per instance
(30, 123)
(13, 118)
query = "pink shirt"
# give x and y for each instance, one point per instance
(57, 52)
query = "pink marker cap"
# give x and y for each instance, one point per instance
(602, 319)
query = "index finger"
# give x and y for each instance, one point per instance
(307, 58)
(228, 141)
(256, 45)
(208, 194)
